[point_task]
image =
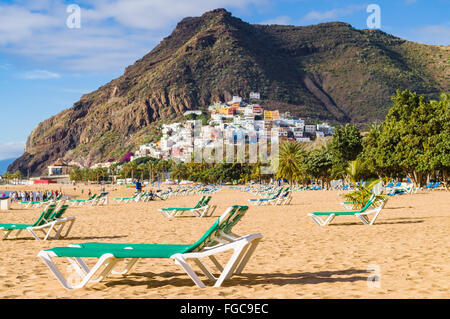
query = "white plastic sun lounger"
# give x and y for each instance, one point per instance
(216, 240)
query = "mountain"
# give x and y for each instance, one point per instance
(329, 71)
(4, 164)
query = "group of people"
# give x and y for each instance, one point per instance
(34, 196)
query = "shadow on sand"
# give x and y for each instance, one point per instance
(379, 223)
(70, 238)
(278, 279)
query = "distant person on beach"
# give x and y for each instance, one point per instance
(138, 186)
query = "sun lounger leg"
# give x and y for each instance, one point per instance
(106, 271)
(6, 233)
(204, 269)
(71, 221)
(49, 231)
(250, 252)
(231, 266)
(216, 263)
(47, 258)
(82, 265)
(179, 260)
(127, 267)
(33, 233)
(320, 221)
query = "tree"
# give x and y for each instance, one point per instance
(75, 174)
(414, 137)
(86, 174)
(179, 171)
(17, 175)
(100, 173)
(142, 169)
(291, 155)
(113, 169)
(161, 168)
(361, 194)
(151, 167)
(132, 168)
(346, 143)
(436, 156)
(319, 165)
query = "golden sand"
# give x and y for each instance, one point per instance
(409, 244)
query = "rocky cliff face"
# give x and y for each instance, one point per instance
(328, 71)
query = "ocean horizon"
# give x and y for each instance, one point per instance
(4, 164)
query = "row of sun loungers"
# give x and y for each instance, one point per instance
(282, 197)
(146, 196)
(94, 200)
(218, 239)
(201, 209)
(35, 204)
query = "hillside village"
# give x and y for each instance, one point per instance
(235, 122)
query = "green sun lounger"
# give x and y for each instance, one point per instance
(135, 197)
(201, 209)
(42, 219)
(82, 201)
(362, 214)
(51, 220)
(216, 240)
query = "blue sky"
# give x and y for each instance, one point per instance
(45, 66)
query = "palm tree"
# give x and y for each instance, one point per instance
(256, 171)
(362, 191)
(100, 174)
(133, 168)
(151, 167)
(161, 168)
(354, 170)
(179, 171)
(290, 158)
(124, 170)
(113, 169)
(141, 168)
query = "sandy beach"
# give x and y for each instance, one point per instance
(409, 244)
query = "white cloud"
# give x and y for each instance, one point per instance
(17, 24)
(11, 150)
(333, 14)
(157, 14)
(113, 33)
(281, 20)
(433, 34)
(5, 66)
(40, 75)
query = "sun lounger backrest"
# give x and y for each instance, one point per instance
(223, 222)
(233, 219)
(200, 202)
(206, 201)
(44, 215)
(58, 214)
(368, 204)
